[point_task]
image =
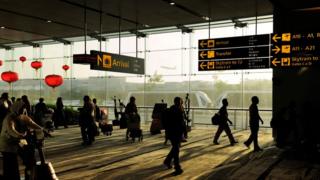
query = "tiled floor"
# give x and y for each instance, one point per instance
(112, 157)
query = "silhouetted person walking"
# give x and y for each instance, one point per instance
(174, 130)
(87, 120)
(254, 124)
(223, 124)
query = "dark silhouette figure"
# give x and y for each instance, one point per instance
(174, 129)
(223, 124)
(133, 118)
(254, 124)
(294, 124)
(97, 109)
(59, 115)
(4, 107)
(187, 119)
(13, 99)
(279, 127)
(28, 110)
(39, 111)
(87, 120)
(15, 127)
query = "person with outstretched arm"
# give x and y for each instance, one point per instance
(15, 128)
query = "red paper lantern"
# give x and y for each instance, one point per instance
(22, 58)
(53, 80)
(9, 76)
(36, 65)
(65, 67)
(1, 62)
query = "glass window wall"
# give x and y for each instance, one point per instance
(171, 66)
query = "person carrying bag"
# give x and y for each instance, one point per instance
(221, 119)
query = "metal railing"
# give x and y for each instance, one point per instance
(202, 116)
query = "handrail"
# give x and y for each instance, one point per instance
(244, 120)
(193, 108)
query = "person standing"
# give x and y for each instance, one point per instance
(97, 109)
(87, 120)
(223, 124)
(254, 124)
(59, 115)
(39, 111)
(133, 118)
(27, 110)
(5, 104)
(174, 130)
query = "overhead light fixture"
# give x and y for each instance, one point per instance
(146, 25)
(238, 23)
(49, 21)
(184, 29)
(2, 27)
(170, 2)
(206, 18)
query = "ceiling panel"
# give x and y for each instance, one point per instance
(29, 17)
(14, 35)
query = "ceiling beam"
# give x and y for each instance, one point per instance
(184, 29)
(98, 37)
(65, 42)
(5, 47)
(31, 43)
(138, 33)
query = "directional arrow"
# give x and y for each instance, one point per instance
(203, 54)
(276, 50)
(203, 44)
(203, 65)
(275, 37)
(274, 62)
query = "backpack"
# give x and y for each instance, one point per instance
(215, 120)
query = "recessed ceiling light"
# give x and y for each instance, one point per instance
(172, 3)
(49, 21)
(146, 25)
(2, 27)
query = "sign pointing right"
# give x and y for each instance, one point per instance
(276, 50)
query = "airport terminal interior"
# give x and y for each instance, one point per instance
(219, 57)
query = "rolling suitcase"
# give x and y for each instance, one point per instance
(43, 169)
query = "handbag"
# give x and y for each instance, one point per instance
(215, 120)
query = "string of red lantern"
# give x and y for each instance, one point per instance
(36, 65)
(53, 80)
(65, 67)
(22, 58)
(9, 76)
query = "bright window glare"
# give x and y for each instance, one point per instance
(171, 66)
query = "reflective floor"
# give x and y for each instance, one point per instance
(112, 157)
